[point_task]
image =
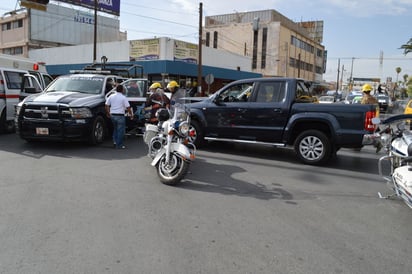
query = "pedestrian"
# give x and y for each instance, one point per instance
(193, 90)
(116, 106)
(156, 100)
(367, 97)
(379, 88)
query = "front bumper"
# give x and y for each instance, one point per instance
(55, 130)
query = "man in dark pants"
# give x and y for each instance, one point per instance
(116, 106)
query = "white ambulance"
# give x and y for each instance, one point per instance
(14, 85)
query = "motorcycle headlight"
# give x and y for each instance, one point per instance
(184, 128)
(80, 113)
(385, 139)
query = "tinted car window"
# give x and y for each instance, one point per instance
(14, 79)
(271, 92)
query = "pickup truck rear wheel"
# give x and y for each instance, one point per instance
(313, 147)
(98, 131)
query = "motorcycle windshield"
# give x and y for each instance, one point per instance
(178, 102)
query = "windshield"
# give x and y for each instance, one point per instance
(90, 85)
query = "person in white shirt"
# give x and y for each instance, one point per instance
(116, 106)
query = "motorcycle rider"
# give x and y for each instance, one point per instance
(175, 97)
(156, 100)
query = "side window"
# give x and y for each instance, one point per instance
(271, 92)
(14, 79)
(237, 93)
(302, 94)
(47, 80)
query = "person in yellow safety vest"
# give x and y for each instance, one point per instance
(367, 97)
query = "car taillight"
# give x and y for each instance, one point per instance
(369, 126)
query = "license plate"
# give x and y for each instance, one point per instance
(42, 131)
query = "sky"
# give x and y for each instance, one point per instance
(362, 36)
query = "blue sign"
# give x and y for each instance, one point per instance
(109, 6)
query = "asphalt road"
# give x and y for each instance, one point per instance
(72, 208)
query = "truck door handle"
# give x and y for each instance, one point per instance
(277, 110)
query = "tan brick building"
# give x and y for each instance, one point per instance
(276, 45)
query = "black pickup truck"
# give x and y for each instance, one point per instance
(71, 108)
(281, 112)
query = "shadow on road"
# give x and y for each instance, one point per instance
(218, 178)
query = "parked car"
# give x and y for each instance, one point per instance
(326, 99)
(349, 98)
(71, 108)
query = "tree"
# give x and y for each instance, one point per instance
(398, 70)
(407, 48)
(405, 78)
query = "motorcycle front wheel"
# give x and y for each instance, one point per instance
(171, 173)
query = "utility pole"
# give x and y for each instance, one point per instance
(351, 76)
(199, 65)
(95, 32)
(337, 79)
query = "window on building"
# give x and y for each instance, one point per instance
(17, 24)
(6, 26)
(13, 51)
(12, 25)
(207, 39)
(215, 39)
(255, 49)
(264, 47)
(301, 44)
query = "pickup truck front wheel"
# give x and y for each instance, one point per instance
(313, 147)
(197, 138)
(98, 131)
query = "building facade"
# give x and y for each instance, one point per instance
(277, 46)
(26, 29)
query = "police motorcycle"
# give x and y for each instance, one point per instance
(396, 138)
(170, 141)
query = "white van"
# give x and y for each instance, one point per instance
(37, 69)
(14, 85)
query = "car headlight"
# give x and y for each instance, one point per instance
(184, 128)
(80, 113)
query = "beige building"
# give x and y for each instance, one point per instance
(276, 45)
(27, 29)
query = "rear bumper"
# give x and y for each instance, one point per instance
(369, 139)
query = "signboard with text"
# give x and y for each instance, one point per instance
(108, 6)
(186, 52)
(148, 49)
